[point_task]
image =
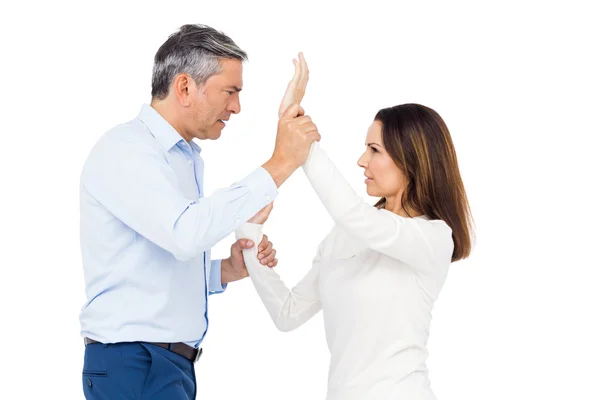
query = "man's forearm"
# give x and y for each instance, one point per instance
(280, 171)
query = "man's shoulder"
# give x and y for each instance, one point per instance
(133, 131)
(120, 143)
(132, 135)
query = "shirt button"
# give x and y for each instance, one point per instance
(189, 162)
(89, 382)
(237, 221)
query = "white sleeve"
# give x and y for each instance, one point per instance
(288, 309)
(417, 242)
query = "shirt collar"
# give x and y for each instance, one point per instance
(162, 131)
(195, 146)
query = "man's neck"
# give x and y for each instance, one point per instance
(169, 113)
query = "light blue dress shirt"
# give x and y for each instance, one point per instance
(147, 230)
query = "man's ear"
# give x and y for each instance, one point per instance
(183, 86)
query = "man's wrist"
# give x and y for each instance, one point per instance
(225, 270)
(280, 170)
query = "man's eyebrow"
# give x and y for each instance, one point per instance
(371, 144)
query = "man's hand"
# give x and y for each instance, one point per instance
(234, 268)
(295, 134)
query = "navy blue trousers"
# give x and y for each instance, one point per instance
(136, 371)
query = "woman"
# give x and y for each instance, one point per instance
(379, 271)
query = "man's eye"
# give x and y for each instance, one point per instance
(374, 149)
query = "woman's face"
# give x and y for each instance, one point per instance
(383, 177)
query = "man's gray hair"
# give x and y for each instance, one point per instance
(194, 50)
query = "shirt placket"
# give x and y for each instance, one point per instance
(198, 171)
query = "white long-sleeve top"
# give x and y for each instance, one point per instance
(376, 276)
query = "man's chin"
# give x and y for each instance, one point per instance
(214, 134)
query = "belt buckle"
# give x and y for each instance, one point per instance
(198, 354)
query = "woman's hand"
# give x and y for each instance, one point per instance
(262, 216)
(297, 86)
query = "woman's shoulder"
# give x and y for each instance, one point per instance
(434, 226)
(436, 232)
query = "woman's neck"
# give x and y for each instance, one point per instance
(394, 204)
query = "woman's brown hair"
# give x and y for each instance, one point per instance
(419, 142)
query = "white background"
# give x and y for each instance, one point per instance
(517, 83)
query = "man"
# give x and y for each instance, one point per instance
(147, 228)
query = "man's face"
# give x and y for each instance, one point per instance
(216, 100)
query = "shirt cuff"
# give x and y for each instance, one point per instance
(214, 282)
(262, 185)
(262, 189)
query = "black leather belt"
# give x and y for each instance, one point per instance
(182, 349)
